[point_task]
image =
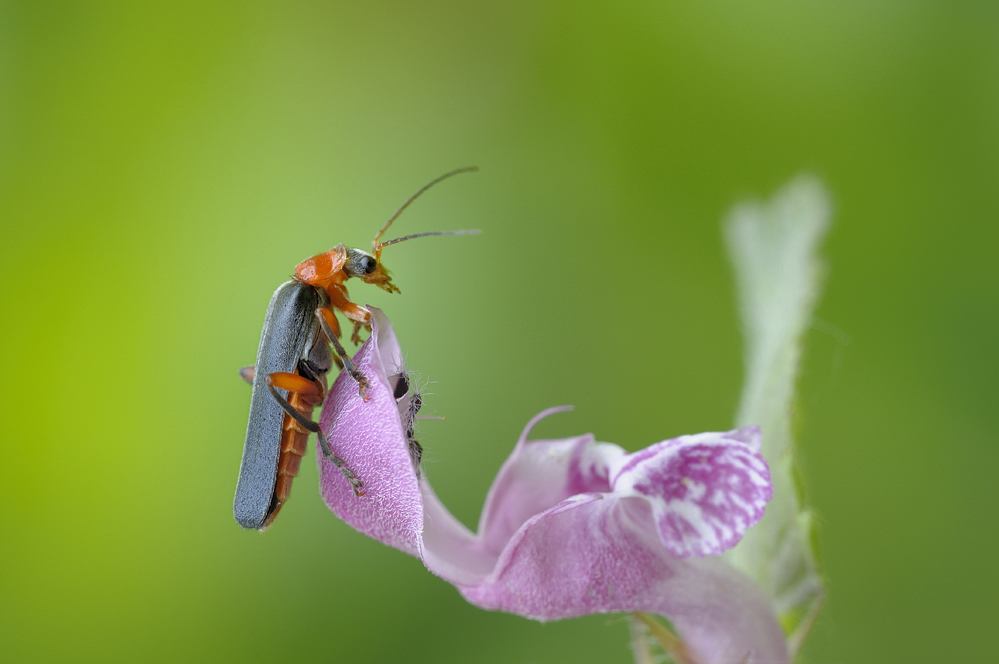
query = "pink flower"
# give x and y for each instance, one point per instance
(570, 526)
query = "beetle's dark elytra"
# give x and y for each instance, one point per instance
(290, 336)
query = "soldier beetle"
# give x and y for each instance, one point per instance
(289, 377)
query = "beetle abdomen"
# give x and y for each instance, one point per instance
(294, 443)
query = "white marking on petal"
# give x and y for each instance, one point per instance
(704, 490)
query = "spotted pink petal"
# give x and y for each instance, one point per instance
(570, 526)
(704, 490)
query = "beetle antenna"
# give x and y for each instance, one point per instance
(378, 247)
(474, 231)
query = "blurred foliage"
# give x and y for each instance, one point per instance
(163, 168)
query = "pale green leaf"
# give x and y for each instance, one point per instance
(774, 247)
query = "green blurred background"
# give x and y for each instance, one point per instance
(162, 170)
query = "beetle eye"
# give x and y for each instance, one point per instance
(368, 264)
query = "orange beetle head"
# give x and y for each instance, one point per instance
(369, 269)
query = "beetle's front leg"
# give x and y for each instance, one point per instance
(356, 334)
(331, 328)
(355, 312)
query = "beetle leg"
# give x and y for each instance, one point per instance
(312, 391)
(331, 329)
(355, 336)
(325, 315)
(284, 379)
(332, 326)
(355, 312)
(319, 380)
(246, 373)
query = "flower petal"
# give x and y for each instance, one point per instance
(369, 437)
(705, 490)
(536, 476)
(570, 526)
(591, 554)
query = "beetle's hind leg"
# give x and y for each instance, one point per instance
(295, 383)
(331, 328)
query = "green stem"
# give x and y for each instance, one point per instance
(640, 646)
(670, 642)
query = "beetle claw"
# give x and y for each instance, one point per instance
(362, 386)
(356, 335)
(355, 482)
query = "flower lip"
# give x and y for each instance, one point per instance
(570, 526)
